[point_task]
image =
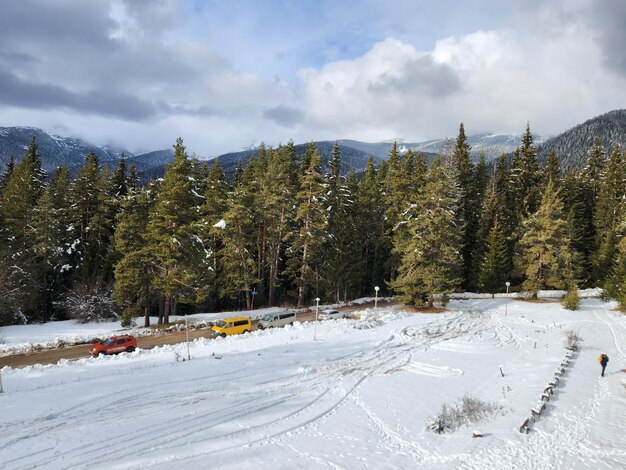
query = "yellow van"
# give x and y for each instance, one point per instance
(232, 326)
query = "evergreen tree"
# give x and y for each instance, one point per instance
(6, 173)
(506, 200)
(342, 258)
(50, 243)
(134, 273)
(544, 254)
(615, 284)
(211, 223)
(431, 262)
(20, 270)
(371, 225)
(581, 195)
(463, 170)
(552, 171)
(83, 194)
(525, 177)
(276, 197)
(495, 266)
(132, 181)
(405, 180)
(239, 275)
(120, 178)
(572, 194)
(183, 266)
(23, 188)
(608, 214)
(311, 222)
(481, 223)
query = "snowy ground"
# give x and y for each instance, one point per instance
(341, 394)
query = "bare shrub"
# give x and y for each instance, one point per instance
(572, 339)
(470, 410)
(90, 304)
(2, 340)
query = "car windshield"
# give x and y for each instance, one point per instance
(106, 342)
(221, 323)
(267, 317)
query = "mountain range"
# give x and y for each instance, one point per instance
(571, 146)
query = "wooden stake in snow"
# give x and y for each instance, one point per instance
(1, 389)
(502, 373)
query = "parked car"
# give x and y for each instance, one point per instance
(231, 326)
(330, 314)
(274, 320)
(114, 345)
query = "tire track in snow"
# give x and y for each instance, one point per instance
(393, 439)
(385, 357)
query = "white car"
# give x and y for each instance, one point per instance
(330, 314)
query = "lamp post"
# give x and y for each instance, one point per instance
(187, 334)
(317, 309)
(253, 293)
(506, 304)
(376, 289)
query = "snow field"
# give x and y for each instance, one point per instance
(339, 394)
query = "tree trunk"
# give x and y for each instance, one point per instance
(146, 312)
(303, 270)
(161, 309)
(167, 309)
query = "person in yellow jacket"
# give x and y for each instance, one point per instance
(603, 360)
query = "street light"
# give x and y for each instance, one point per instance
(317, 309)
(376, 288)
(506, 303)
(187, 334)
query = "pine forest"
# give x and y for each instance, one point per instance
(284, 230)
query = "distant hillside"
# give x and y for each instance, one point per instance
(55, 151)
(492, 145)
(59, 151)
(572, 146)
(354, 154)
(351, 158)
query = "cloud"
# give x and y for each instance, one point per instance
(419, 75)
(140, 73)
(609, 21)
(16, 92)
(552, 75)
(284, 115)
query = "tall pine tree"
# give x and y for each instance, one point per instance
(431, 261)
(544, 256)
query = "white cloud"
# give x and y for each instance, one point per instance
(506, 77)
(135, 73)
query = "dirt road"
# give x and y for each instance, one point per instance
(52, 356)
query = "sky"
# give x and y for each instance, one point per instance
(227, 75)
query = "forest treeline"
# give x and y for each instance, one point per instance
(284, 230)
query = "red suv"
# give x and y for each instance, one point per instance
(114, 345)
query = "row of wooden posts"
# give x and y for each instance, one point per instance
(547, 393)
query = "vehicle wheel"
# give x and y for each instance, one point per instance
(130, 349)
(223, 335)
(245, 331)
